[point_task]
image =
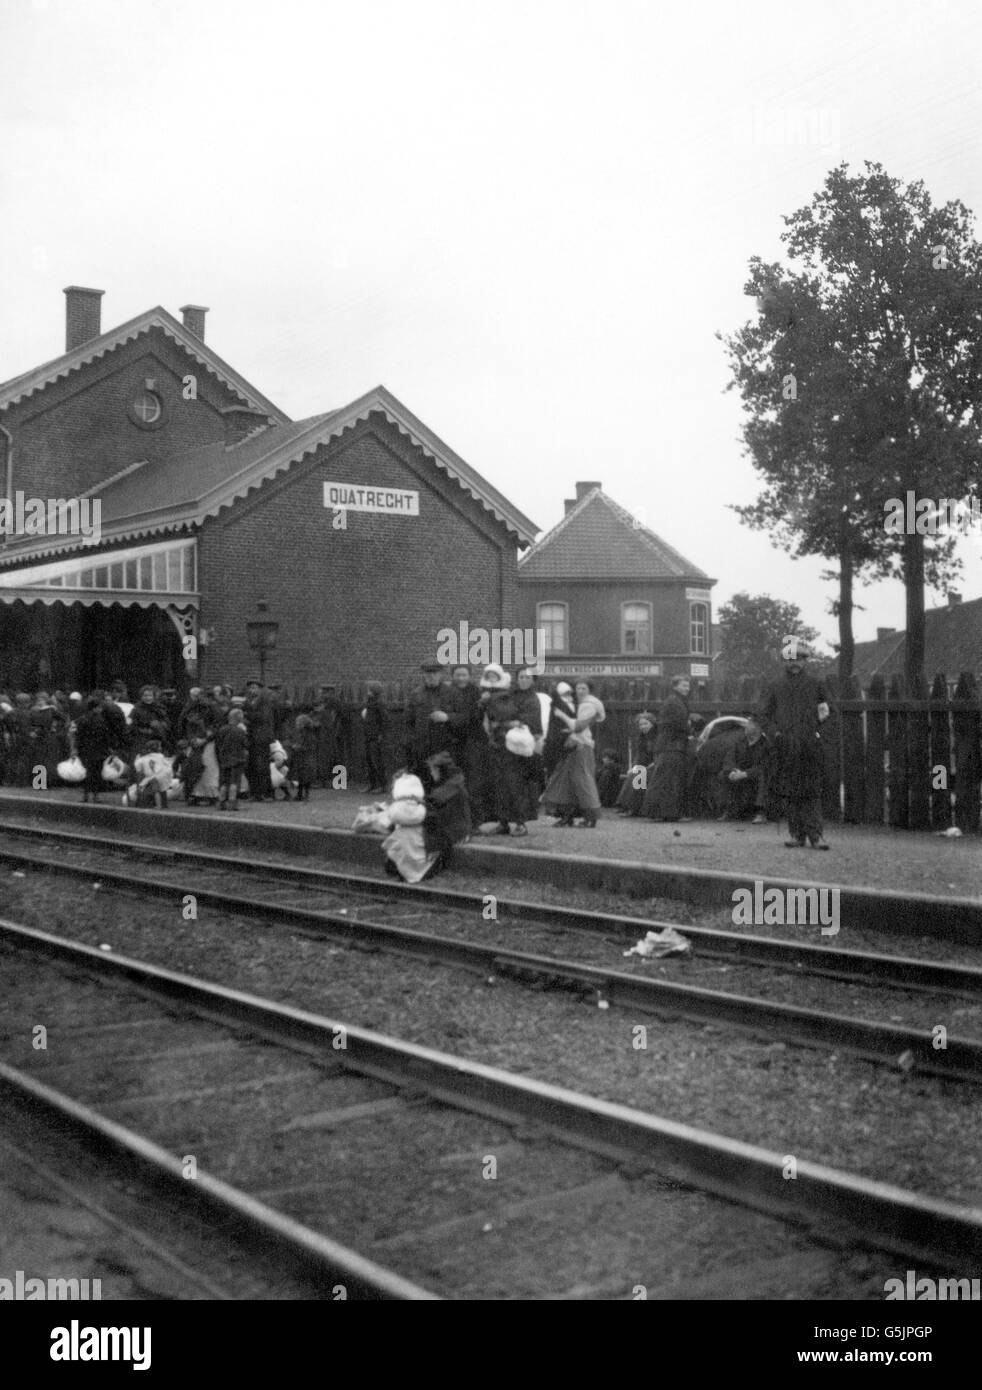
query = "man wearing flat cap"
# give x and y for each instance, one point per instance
(793, 711)
(427, 730)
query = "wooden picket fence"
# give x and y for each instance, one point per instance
(914, 764)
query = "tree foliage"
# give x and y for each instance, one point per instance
(861, 379)
(752, 628)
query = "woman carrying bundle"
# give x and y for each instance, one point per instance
(572, 789)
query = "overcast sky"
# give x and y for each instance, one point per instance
(527, 219)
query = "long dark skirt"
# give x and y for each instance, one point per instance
(665, 797)
(630, 798)
(509, 786)
(574, 783)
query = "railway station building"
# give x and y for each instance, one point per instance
(190, 505)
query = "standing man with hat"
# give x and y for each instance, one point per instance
(427, 729)
(794, 709)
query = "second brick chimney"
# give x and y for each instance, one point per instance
(83, 315)
(193, 317)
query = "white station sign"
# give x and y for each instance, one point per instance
(362, 497)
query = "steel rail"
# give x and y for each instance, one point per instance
(875, 1214)
(960, 1059)
(313, 1256)
(904, 972)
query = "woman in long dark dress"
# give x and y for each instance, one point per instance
(631, 797)
(665, 797)
(92, 744)
(508, 785)
(530, 714)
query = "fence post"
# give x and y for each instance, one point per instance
(829, 742)
(966, 726)
(876, 742)
(897, 752)
(853, 755)
(918, 764)
(940, 755)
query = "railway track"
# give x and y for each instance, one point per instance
(368, 1157)
(217, 879)
(901, 972)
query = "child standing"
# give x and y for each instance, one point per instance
(303, 756)
(232, 749)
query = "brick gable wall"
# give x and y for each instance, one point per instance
(75, 433)
(355, 604)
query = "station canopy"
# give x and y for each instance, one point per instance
(143, 576)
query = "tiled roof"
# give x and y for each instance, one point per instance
(952, 644)
(19, 387)
(183, 490)
(599, 539)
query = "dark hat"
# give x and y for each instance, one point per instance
(431, 666)
(254, 680)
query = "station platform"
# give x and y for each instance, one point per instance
(871, 857)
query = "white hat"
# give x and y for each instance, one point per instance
(495, 678)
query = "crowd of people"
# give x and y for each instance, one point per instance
(488, 751)
(214, 747)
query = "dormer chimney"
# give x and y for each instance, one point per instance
(193, 318)
(83, 315)
(583, 488)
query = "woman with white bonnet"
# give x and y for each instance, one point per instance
(572, 789)
(502, 719)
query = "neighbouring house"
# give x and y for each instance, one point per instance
(613, 598)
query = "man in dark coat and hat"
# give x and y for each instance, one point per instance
(259, 713)
(427, 727)
(793, 711)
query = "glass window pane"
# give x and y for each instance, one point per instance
(84, 580)
(116, 576)
(101, 574)
(132, 580)
(189, 579)
(146, 572)
(174, 571)
(160, 571)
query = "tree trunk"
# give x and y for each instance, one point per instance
(914, 646)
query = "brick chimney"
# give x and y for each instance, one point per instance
(193, 318)
(882, 632)
(83, 315)
(583, 488)
(568, 504)
(954, 598)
